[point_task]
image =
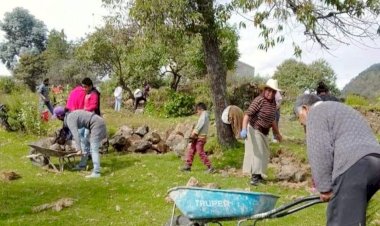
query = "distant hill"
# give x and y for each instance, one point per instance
(366, 84)
(244, 70)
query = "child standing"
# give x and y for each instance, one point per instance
(198, 139)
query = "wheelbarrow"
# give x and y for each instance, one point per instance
(202, 205)
(42, 156)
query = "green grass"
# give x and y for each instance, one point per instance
(136, 183)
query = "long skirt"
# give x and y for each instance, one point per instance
(256, 155)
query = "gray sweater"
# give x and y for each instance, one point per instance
(337, 137)
(89, 120)
(202, 125)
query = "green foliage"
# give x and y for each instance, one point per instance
(23, 33)
(179, 104)
(295, 77)
(8, 85)
(23, 114)
(366, 84)
(356, 100)
(31, 69)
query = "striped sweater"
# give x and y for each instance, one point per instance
(261, 114)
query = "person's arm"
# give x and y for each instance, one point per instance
(276, 131)
(39, 91)
(320, 151)
(200, 124)
(252, 109)
(92, 102)
(72, 124)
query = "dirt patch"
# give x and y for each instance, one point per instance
(9, 176)
(288, 168)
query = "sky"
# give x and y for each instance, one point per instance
(80, 17)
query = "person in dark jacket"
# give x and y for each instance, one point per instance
(324, 93)
(344, 156)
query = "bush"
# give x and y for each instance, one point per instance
(356, 100)
(8, 85)
(23, 114)
(179, 104)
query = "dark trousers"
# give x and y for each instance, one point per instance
(197, 146)
(352, 191)
(137, 101)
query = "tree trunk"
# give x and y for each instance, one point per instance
(216, 71)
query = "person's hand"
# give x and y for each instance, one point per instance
(279, 137)
(326, 196)
(79, 152)
(243, 133)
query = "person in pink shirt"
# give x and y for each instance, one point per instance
(92, 98)
(75, 99)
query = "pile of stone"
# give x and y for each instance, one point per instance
(289, 168)
(142, 140)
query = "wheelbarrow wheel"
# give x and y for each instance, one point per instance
(38, 160)
(181, 221)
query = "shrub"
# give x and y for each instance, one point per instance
(8, 85)
(23, 114)
(356, 100)
(179, 104)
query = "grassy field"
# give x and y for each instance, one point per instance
(133, 187)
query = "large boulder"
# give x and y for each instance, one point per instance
(140, 146)
(120, 143)
(177, 143)
(124, 131)
(142, 130)
(160, 147)
(153, 137)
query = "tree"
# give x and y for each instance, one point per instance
(23, 33)
(30, 69)
(295, 77)
(322, 21)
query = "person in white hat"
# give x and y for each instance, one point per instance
(258, 120)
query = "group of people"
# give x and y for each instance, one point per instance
(138, 95)
(343, 152)
(82, 117)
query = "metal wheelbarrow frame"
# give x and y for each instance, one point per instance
(201, 206)
(46, 153)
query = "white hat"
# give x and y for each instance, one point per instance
(273, 84)
(225, 115)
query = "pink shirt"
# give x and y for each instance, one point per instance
(75, 100)
(91, 101)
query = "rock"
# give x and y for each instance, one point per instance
(184, 129)
(139, 111)
(134, 138)
(56, 206)
(151, 151)
(142, 130)
(140, 146)
(152, 137)
(177, 143)
(128, 104)
(120, 143)
(124, 131)
(161, 147)
(287, 172)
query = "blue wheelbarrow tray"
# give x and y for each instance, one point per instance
(202, 203)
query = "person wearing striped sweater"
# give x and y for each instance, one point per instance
(258, 120)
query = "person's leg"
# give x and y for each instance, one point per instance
(248, 153)
(48, 105)
(199, 146)
(353, 189)
(84, 146)
(116, 102)
(95, 159)
(190, 154)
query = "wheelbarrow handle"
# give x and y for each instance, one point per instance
(287, 209)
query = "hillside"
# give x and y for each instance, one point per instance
(366, 84)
